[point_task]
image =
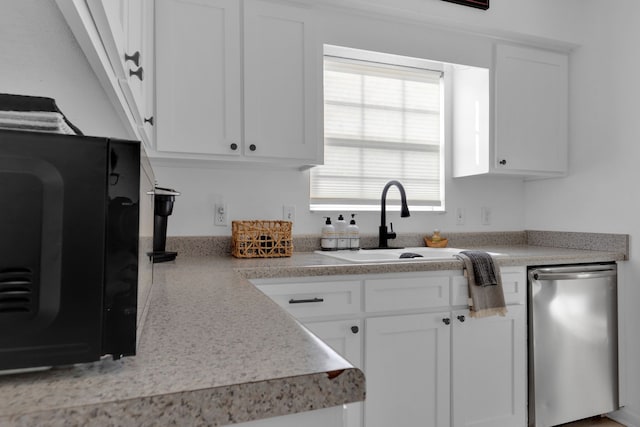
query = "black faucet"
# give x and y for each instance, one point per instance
(404, 212)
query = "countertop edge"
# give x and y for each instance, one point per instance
(215, 406)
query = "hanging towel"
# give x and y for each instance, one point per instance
(486, 296)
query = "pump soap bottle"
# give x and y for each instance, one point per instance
(341, 231)
(353, 232)
(328, 239)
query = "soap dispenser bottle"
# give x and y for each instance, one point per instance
(328, 239)
(341, 231)
(353, 232)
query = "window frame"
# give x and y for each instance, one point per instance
(402, 61)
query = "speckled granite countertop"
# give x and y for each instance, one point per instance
(313, 264)
(215, 351)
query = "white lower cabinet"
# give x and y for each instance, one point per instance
(407, 371)
(327, 417)
(489, 366)
(426, 362)
(345, 337)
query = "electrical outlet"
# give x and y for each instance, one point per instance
(289, 213)
(485, 215)
(221, 215)
(460, 216)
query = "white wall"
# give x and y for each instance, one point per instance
(601, 194)
(260, 194)
(39, 56)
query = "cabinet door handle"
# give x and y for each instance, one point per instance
(305, 301)
(137, 73)
(252, 147)
(355, 329)
(461, 318)
(149, 120)
(234, 146)
(135, 58)
(446, 320)
(503, 162)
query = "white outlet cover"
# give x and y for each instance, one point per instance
(220, 215)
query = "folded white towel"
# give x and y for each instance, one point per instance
(39, 121)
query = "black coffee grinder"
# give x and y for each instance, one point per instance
(163, 207)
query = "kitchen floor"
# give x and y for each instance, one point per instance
(595, 421)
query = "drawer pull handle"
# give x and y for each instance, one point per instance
(305, 301)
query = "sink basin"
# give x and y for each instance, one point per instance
(388, 255)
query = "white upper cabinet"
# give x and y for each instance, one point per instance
(532, 110)
(147, 127)
(198, 77)
(121, 26)
(523, 129)
(282, 68)
(116, 37)
(238, 81)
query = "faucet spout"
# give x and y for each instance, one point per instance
(384, 234)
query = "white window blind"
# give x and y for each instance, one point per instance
(381, 122)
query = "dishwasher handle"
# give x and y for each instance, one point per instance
(573, 272)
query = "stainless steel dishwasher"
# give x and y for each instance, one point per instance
(573, 343)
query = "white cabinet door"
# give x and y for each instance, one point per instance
(282, 64)
(133, 83)
(120, 24)
(489, 369)
(327, 417)
(407, 367)
(531, 110)
(198, 76)
(111, 20)
(146, 127)
(234, 86)
(345, 337)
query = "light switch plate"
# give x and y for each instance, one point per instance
(460, 216)
(485, 215)
(289, 213)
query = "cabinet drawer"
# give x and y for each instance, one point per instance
(514, 285)
(404, 293)
(317, 298)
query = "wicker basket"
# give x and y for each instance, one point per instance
(261, 239)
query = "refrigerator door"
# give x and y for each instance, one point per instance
(573, 343)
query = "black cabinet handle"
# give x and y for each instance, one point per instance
(305, 301)
(234, 146)
(446, 320)
(355, 329)
(135, 58)
(461, 318)
(137, 73)
(503, 162)
(252, 147)
(149, 120)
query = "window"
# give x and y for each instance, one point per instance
(382, 121)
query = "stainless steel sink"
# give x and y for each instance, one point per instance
(388, 255)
